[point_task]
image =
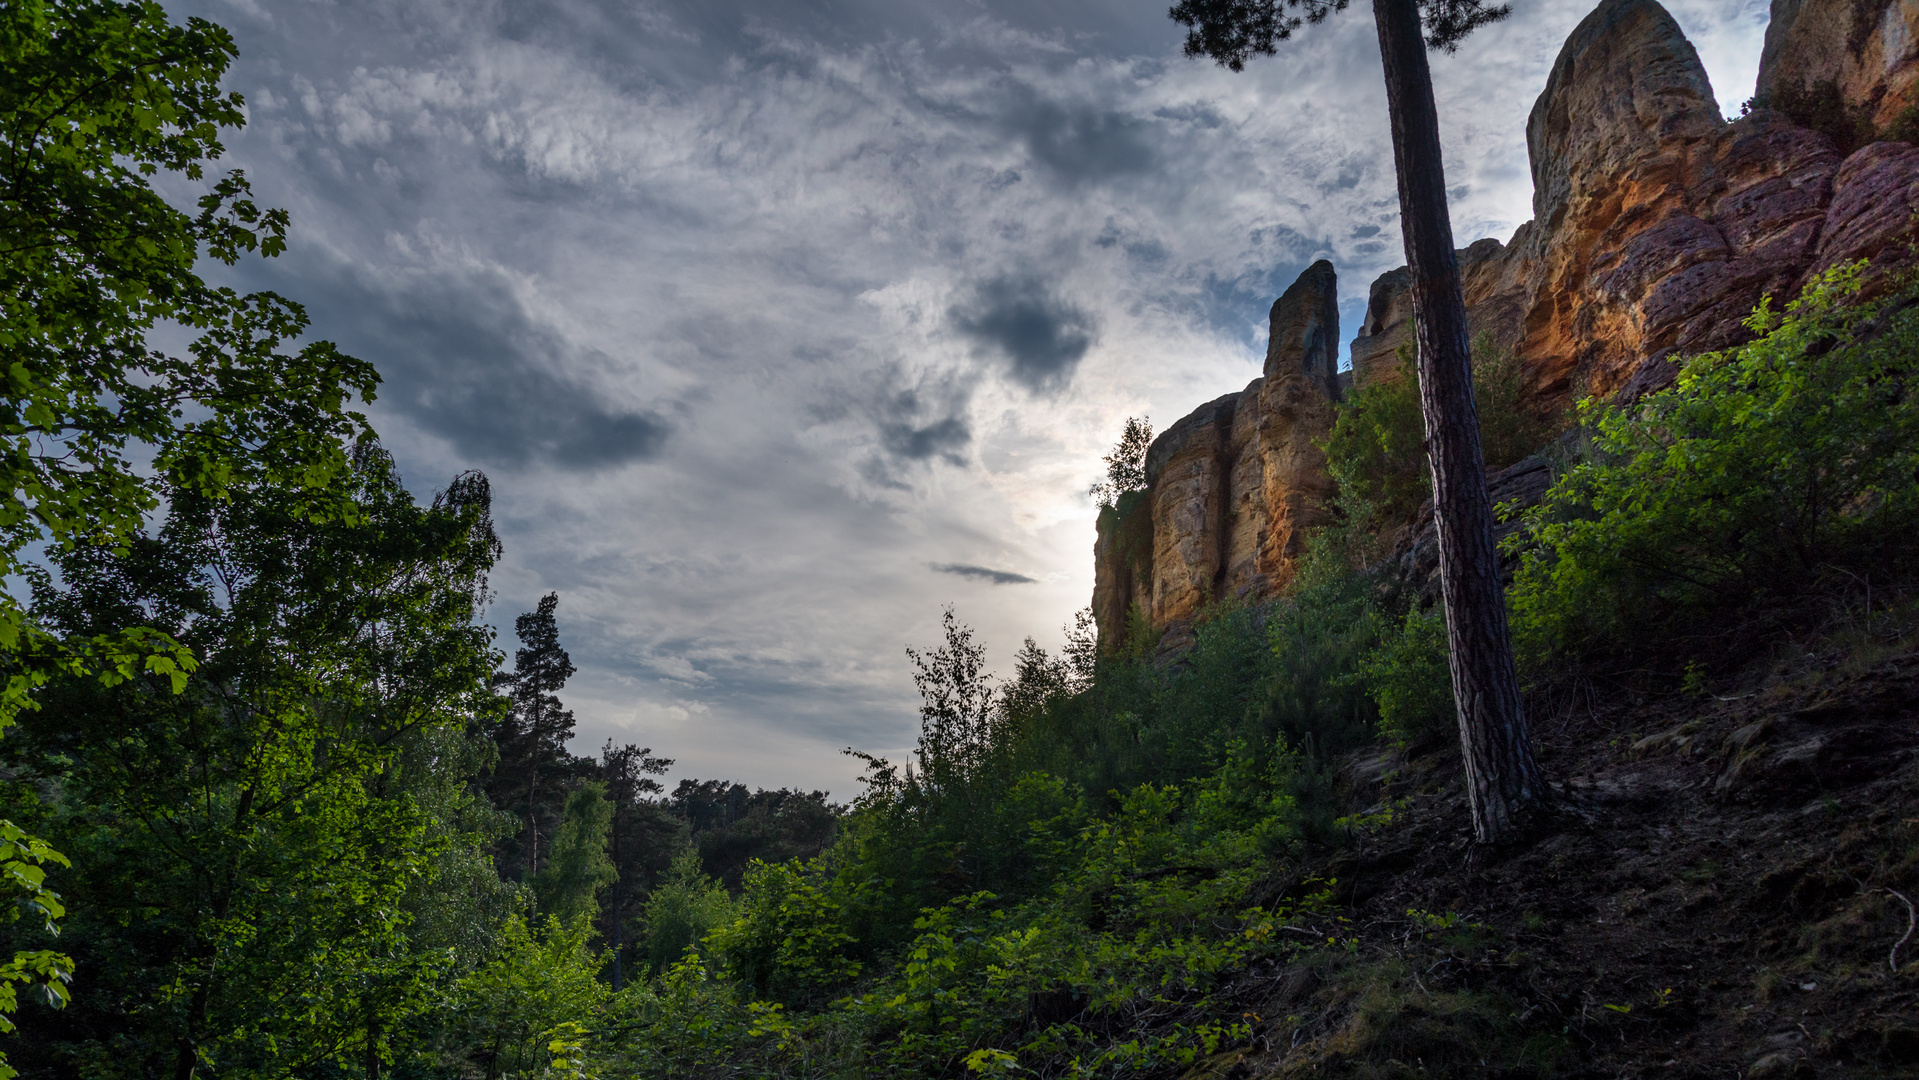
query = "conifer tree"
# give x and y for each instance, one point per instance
(629, 772)
(534, 762)
(1501, 776)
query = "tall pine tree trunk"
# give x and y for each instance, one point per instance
(1501, 775)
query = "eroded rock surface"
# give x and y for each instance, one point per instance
(1231, 487)
(1868, 48)
(1658, 226)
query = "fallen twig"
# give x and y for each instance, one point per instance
(1912, 918)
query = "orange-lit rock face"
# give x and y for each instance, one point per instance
(1868, 48)
(1626, 126)
(1659, 225)
(1232, 486)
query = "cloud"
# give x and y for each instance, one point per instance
(1040, 335)
(1080, 143)
(983, 573)
(863, 284)
(461, 358)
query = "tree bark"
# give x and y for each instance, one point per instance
(1501, 775)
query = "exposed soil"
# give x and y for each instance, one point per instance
(1718, 900)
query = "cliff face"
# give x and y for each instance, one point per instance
(1657, 226)
(1868, 48)
(1232, 486)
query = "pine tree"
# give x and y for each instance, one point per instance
(629, 773)
(1501, 776)
(535, 767)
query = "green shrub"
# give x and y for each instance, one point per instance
(1822, 106)
(682, 909)
(542, 984)
(1376, 452)
(790, 938)
(1407, 675)
(1764, 471)
(1318, 637)
(1376, 455)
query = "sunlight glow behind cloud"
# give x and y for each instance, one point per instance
(778, 327)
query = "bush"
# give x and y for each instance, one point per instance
(1407, 675)
(1764, 471)
(789, 938)
(1822, 106)
(682, 909)
(541, 986)
(1376, 453)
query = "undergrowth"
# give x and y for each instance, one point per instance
(1074, 868)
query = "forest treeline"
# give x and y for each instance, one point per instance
(277, 804)
(352, 840)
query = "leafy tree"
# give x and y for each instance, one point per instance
(541, 986)
(1502, 779)
(242, 863)
(98, 97)
(569, 885)
(960, 713)
(1038, 680)
(1126, 464)
(1081, 652)
(681, 910)
(96, 425)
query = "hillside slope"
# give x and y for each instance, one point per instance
(1724, 897)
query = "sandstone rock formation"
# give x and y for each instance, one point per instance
(1233, 486)
(1868, 48)
(1658, 225)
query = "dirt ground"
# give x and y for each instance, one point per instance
(1722, 898)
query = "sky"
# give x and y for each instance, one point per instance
(780, 325)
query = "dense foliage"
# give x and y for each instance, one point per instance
(290, 814)
(1376, 452)
(1782, 469)
(97, 424)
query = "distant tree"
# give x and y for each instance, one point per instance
(1126, 465)
(629, 776)
(959, 707)
(577, 867)
(1081, 651)
(1038, 680)
(731, 826)
(1501, 776)
(535, 768)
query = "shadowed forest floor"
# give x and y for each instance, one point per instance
(1717, 901)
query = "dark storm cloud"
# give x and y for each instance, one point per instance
(984, 573)
(1041, 335)
(915, 421)
(944, 438)
(1082, 143)
(465, 361)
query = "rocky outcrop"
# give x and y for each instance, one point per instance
(1233, 486)
(1869, 49)
(1658, 225)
